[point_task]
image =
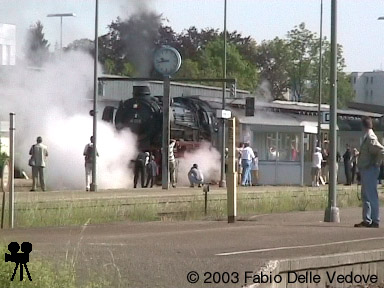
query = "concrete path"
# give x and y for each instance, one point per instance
(161, 254)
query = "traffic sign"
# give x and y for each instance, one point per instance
(325, 117)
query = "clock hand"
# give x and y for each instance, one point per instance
(162, 60)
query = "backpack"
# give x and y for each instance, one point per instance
(88, 154)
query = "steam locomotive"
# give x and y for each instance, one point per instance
(192, 120)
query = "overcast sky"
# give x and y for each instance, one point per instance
(359, 31)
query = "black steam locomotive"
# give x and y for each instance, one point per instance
(192, 119)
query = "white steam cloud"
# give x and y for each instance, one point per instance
(54, 102)
(208, 160)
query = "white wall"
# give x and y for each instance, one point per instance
(7, 44)
(369, 87)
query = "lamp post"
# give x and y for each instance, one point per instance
(95, 86)
(320, 76)
(61, 15)
(332, 211)
(222, 182)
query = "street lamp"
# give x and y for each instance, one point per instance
(320, 76)
(61, 15)
(380, 18)
(222, 182)
(95, 93)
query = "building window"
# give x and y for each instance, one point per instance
(275, 146)
(100, 89)
(8, 55)
(288, 146)
(371, 80)
(367, 80)
(371, 93)
(354, 80)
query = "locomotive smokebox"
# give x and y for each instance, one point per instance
(141, 91)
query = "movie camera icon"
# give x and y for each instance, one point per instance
(19, 258)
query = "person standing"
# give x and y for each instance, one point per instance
(355, 155)
(195, 176)
(316, 167)
(347, 156)
(39, 154)
(151, 172)
(371, 154)
(140, 163)
(246, 162)
(88, 159)
(238, 162)
(255, 169)
(324, 165)
(172, 163)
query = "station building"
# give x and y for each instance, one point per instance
(283, 132)
(7, 61)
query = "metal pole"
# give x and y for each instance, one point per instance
(222, 182)
(94, 162)
(231, 173)
(166, 132)
(12, 170)
(61, 32)
(320, 76)
(332, 212)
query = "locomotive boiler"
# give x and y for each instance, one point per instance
(192, 119)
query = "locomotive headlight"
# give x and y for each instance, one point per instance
(135, 106)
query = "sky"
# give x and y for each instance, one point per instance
(359, 31)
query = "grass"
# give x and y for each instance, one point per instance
(45, 275)
(186, 208)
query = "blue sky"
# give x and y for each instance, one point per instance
(359, 31)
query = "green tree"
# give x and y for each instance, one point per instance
(211, 65)
(272, 58)
(37, 47)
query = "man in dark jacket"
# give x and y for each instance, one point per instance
(348, 165)
(151, 172)
(140, 163)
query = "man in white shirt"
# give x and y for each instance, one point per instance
(195, 176)
(172, 163)
(39, 153)
(316, 167)
(247, 156)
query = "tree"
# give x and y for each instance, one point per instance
(84, 45)
(302, 50)
(272, 58)
(37, 47)
(211, 65)
(132, 41)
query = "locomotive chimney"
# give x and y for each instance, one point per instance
(141, 91)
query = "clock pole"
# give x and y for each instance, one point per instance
(166, 134)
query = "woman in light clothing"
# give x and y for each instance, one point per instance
(255, 169)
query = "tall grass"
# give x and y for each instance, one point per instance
(44, 275)
(185, 208)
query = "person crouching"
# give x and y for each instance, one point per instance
(195, 176)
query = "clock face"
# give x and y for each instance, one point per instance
(167, 61)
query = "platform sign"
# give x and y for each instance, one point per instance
(325, 117)
(223, 114)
